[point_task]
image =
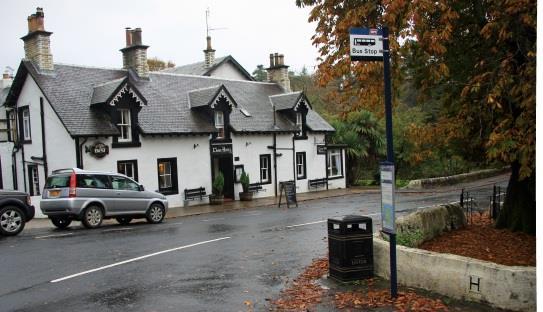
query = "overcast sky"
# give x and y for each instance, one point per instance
(92, 32)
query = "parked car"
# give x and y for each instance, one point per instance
(15, 211)
(92, 196)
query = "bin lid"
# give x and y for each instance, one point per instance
(349, 218)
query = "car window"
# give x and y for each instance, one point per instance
(57, 181)
(121, 183)
(92, 181)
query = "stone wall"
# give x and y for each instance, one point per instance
(431, 182)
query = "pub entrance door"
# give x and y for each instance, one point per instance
(225, 164)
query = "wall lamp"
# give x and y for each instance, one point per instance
(196, 145)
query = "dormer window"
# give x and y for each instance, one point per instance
(124, 125)
(299, 123)
(219, 124)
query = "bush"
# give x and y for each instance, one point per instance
(410, 238)
(245, 181)
(218, 184)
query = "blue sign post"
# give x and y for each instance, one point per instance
(369, 44)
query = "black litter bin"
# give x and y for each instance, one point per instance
(350, 247)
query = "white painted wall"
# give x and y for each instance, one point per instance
(227, 71)
(193, 164)
(6, 149)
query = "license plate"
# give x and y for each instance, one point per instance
(54, 193)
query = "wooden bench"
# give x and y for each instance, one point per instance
(197, 193)
(316, 183)
(255, 187)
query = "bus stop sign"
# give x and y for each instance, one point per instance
(366, 44)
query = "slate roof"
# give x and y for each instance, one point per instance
(202, 97)
(285, 101)
(199, 69)
(3, 95)
(102, 92)
(72, 89)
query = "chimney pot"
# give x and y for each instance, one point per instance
(136, 36)
(271, 60)
(128, 36)
(276, 59)
(281, 59)
(208, 38)
(5, 75)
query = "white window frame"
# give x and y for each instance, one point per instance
(124, 164)
(12, 117)
(26, 125)
(299, 123)
(301, 165)
(124, 123)
(338, 164)
(35, 180)
(219, 123)
(265, 168)
(166, 174)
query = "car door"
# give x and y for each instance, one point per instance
(128, 195)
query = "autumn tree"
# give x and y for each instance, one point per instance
(156, 64)
(473, 60)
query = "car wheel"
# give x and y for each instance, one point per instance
(92, 217)
(12, 220)
(123, 220)
(61, 222)
(155, 214)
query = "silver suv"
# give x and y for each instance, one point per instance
(92, 196)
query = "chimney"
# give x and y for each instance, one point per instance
(6, 81)
(209, 54)
(37, 44)
(278, 71)
(135, 53)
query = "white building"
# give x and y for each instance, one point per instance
(170, 130)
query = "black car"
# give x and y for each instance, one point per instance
(15, 211)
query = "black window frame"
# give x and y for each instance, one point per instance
(134, 163)
(304, 176)
(268, 158)
(174, 189)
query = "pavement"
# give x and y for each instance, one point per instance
(198, 209)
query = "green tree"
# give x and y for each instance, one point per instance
(364, 137)
(259, 74)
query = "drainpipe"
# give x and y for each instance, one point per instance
(274, 154)
(80, 152)
(294, 178)
(43, 145)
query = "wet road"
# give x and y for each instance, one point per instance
(211, 262)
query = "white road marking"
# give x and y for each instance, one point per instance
(174, 223)
(309, 223)
(55, 235)
(321, 221)
(215, 219)
(135, 259)
(119, 229)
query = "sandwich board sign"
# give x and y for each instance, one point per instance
(366, 44)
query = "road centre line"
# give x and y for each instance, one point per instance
(54, 235)
(135, 259)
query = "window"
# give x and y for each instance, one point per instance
(84, 181)
(219, 123)
(299, 124)
(12, 125)
(167, 176)
(24, 123)
(300, 166)
(33, 180)
(265, 168)
(129, 168)
(124, 125)
(122, 183)
(335, 167)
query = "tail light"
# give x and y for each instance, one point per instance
(72, 185)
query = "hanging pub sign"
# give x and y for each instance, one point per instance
(321, 149)
(217, 149)
(366, 44)
(97, 150)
